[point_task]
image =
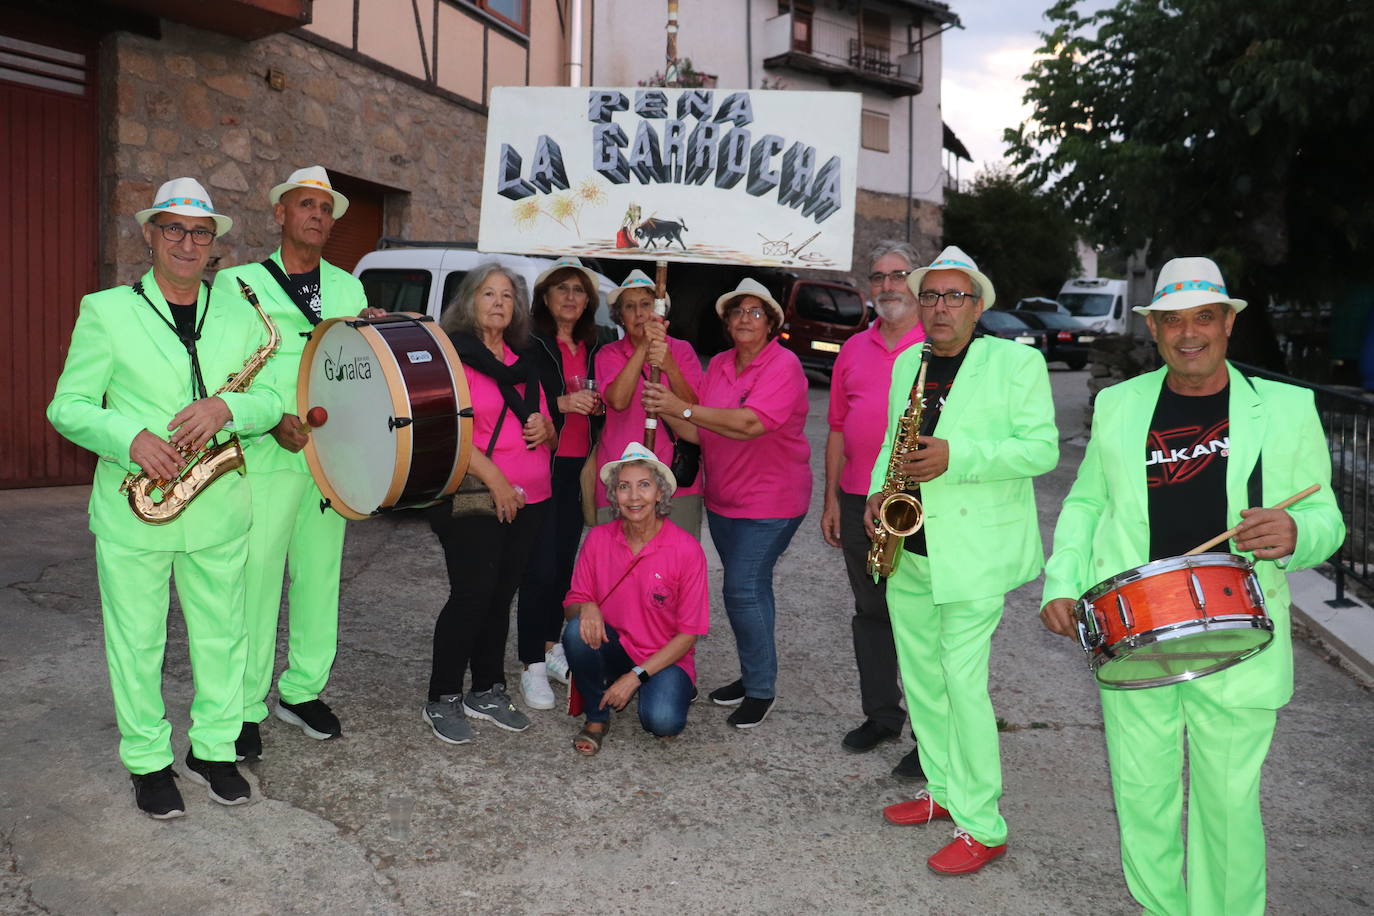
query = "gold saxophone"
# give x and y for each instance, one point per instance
(900, 515)
(210, 462)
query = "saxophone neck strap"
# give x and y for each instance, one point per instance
(188, 340)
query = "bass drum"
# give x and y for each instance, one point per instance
(390, 413)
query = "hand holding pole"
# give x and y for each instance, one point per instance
(660, 309)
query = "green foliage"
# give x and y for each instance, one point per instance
(1231, 128)
(1022, 239)
(688, 77)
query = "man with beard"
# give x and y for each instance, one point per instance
(298, 289)
(858, 417)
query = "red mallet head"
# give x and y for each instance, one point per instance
(316, 417)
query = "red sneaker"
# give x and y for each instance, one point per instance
(964, 855)
(921, 810)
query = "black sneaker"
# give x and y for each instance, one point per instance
(732, 694)
(223, 780)
(312, 717)
(868, 736)
(157, 795)
(752, 711)
(696, 695)
(248, 745)
(908, 769)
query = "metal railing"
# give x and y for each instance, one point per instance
(1348, 418)
(840, 44)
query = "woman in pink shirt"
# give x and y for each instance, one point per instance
(565, 338)
(623, 368)
(751, 422)
(513, 440)
(637, 604)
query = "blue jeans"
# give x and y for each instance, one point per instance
(749, 549)
(663, 698)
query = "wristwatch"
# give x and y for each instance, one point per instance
(686, 413)
(641, 674)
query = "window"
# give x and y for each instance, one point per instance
(873, 131)
(515, 13)
(397, 290)
(830, 304)
(801, 11)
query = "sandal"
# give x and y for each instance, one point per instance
(590, 737)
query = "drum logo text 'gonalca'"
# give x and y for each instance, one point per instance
(336, 369)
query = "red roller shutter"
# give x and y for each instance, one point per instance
(357, 233)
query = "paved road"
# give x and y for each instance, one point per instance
(775, 820)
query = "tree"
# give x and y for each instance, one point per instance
(1023, 239)
(1230, 128)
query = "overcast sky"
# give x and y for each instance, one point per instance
(981, 87)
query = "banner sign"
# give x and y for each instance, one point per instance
(706, 175)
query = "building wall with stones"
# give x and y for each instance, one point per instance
(884, 216)
(197, 103)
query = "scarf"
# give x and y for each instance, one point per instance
(476, 356)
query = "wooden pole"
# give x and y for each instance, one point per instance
(660, 309)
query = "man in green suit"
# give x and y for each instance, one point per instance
(291, 530)
(135, 377)
(987, 428)
(1174, 457)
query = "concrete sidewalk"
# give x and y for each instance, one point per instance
(774, 820)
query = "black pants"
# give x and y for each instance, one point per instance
(875, 653)
(485, 560)
(539, 615)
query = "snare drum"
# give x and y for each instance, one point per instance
(390, 411)
(1173, 620)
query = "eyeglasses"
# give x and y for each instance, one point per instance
(954, 298)
(175, 232)
(736, 313)
(571, 289)
(878, 279)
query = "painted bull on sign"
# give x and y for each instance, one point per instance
(653, 229)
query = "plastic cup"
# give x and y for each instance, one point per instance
(399, 809)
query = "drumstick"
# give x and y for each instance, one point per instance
(1231, 532)
(316, 417)
(660, 307)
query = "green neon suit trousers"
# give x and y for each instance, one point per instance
(942, 651)
(290, 534)
(1226, 750)
(134, 592)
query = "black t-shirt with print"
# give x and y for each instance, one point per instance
(184, 317)
(940, 375)
(308, 288)
(1185, 457)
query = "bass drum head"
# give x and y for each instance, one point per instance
(354, 456)
(1189, 651)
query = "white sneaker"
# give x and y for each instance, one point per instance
(557, 663)
(534, 687)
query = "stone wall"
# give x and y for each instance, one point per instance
(883, 216)
(1115, 358)
(199, 104)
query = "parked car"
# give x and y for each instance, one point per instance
(1012, 326)
(1066, 340)
(422, 277)
(1038, 304)
(1098, 304)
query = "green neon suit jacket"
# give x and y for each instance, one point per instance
(1104, 528)
(126, 371)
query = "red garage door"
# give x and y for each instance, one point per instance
(357, 233)
(49, 216)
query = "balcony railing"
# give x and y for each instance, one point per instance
(838, 50)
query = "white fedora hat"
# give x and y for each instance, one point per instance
(953, 258)
(1186, 283)
(636, 279)
(312, 176)
(636, 451)
(571, 263)
(186, 197)
(749, 287)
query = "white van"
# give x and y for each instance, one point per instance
(1097, 304)
(423, 278)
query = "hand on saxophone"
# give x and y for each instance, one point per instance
(929, 461)
(871, 508)
(157, 459)
(198, 421)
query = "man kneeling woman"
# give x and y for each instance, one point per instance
(637, 604)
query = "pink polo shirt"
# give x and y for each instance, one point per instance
(767, 477)
(527, 468)
(575, 438)
(664, 593)
(626, 426)
(858, 400)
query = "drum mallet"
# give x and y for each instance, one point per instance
(1231, 532)
(660, 309)
(316, 417)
